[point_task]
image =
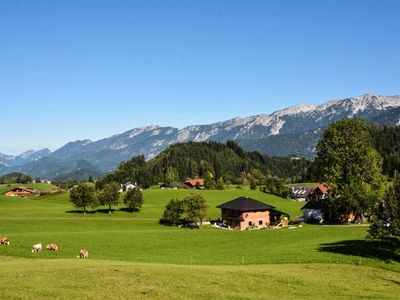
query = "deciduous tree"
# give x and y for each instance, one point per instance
(134, 199)
(387, 216)
(83, 196)
(109, 195)
(347, 161)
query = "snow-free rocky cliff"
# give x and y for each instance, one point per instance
(290, 131)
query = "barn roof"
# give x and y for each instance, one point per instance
(323, 187)
(194, 182)
(245, 204)
(22, 188)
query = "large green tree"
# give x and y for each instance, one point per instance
(195, 210)
(347, 161)
(83, 196)
(133, 199)
(172, 212)
(109, 195)
(190, 211)
(387, 216)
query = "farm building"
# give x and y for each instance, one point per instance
(313, 209)
(244, 212)
(127, 187)
(195, 183)
(300, 193)
(20, 191)
(319, 192)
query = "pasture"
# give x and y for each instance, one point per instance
(137, 257)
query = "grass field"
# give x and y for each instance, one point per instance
(131, 255)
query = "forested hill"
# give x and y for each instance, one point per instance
(210, 160)
(387, 142)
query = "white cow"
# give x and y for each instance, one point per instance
(36, 248)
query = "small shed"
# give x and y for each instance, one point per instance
(244, 212)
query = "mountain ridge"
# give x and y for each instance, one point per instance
(290, 131)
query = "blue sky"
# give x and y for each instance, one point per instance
(89, 69)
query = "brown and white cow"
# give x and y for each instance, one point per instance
(83, 253)
(4, 240)
(52, 247)
(36, 248)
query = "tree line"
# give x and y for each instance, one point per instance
(15, 178)
(85, 195)
(217, 163)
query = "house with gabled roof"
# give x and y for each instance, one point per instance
(195, 183)
(244, 212)
(300, 193)
(20, 191)
(313, 209)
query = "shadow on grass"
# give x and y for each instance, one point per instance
(81, 212)
(125, 209)
(382, 250)
(105, 211)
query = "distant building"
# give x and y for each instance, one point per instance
(127, 187)
(313, 209)
(300, 193)
(244, 212)
(20, 191)
(195, 183)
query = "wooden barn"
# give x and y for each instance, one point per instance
(20, 191)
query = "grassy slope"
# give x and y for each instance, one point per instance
(70, 279)
(36, 186)
(127, 253)
(154, 202)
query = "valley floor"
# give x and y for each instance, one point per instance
(132, 256)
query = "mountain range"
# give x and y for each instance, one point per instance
(291, 131)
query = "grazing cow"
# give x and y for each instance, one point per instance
(4, 240)
(36, 248)
(52, 247)
(83, 253)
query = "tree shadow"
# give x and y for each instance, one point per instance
(80, 212)
(125, 209)
(382, 250)
(105, 211)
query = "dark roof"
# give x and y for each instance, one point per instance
(245, 204)
(312, 204)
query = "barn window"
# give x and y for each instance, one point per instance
(250, 223)
(260, 222)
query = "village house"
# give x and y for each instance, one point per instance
(313, 209)
(127, 187)
(300, 193)
(195, 183)
(244, 212)
(20, 191)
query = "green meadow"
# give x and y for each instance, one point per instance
(132, 256)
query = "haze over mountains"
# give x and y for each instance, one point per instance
(290, 131)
